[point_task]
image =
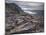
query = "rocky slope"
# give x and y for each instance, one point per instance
(16, 21)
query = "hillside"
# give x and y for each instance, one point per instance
(19, 22)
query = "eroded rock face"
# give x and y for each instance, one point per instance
(16, 23)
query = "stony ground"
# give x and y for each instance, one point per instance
(24, 23)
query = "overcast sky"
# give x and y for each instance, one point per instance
(27, 6)
(31, 5)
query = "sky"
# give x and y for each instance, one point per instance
(30, 5)
(27, 6)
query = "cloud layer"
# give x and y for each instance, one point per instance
(28, 6)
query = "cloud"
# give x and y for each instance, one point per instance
(31, 5)
(28, 5)
(29, 12)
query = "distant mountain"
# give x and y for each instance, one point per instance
(13, 8)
